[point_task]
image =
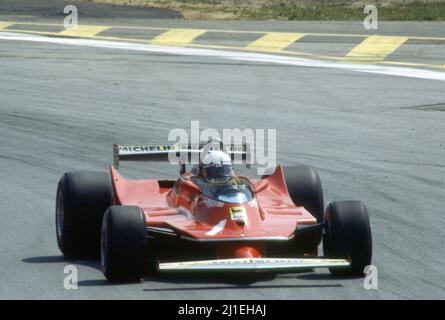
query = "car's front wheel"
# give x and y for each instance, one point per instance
(347, 234)
(123, 243)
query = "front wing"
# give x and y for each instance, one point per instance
(254, 264)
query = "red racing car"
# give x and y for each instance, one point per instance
(209, 219)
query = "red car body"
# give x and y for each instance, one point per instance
(177, 209)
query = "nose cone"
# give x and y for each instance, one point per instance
(233, 251)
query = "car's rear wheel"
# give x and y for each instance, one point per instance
(123, 243)
(81, 200)
(305, 189)
(348, 235)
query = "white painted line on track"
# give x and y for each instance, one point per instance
(234, 55)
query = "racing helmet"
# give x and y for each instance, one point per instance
(216, 167)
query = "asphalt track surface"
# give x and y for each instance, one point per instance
(374, 137)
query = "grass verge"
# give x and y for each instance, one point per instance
(388, 10)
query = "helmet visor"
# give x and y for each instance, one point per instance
(218, 172)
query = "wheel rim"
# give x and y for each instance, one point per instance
(59, 216)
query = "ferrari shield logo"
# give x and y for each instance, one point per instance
(238, 214)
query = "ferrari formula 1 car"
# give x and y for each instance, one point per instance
(209, 219)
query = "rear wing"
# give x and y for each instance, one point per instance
(176, 153)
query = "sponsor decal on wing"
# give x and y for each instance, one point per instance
(134, 149)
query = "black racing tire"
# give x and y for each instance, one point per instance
(305, 189)
(81, 200)
(123, 244)
(348, 236)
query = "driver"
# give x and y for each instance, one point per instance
(216, 167)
